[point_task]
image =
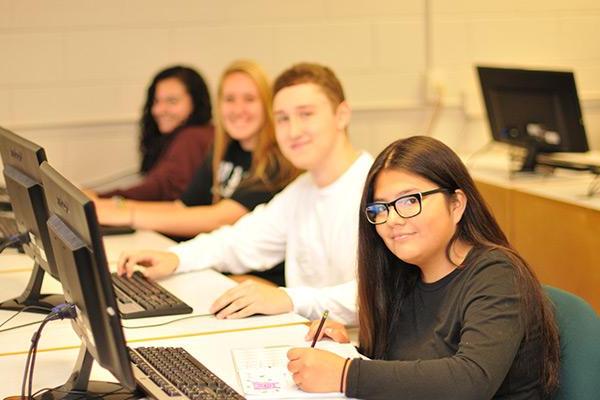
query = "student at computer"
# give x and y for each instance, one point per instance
(312, 223)
(176, 135)
(245, 168)
(447, 308)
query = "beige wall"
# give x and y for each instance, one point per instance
(73, 72)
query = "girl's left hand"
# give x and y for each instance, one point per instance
(316, 370)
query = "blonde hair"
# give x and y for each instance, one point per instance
(269, 167)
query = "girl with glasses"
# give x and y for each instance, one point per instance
(447, 308)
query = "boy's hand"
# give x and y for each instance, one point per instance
(159, 264)
(250, 298)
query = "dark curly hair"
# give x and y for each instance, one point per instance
(152, 142)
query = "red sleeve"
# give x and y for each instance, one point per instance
(175, 168)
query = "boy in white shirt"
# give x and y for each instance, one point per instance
(312, 223)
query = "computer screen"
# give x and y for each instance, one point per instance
(21, 159)
(83, 270)
(537, 110)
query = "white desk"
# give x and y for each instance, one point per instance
(208, 339)
(214, 351)
(198, 289)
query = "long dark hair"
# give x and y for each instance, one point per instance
(152, 142)
(384, 281)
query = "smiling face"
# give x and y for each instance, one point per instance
(420, 240)
(172, 105)
(242, 111)
(307, 126)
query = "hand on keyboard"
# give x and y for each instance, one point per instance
(158, 264)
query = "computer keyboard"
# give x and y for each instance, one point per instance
(109, 230)
(138, 297)
(171, 372)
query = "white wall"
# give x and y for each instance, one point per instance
(73, 72)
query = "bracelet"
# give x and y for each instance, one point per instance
(119, 201)
(346, 362)
(131, 216)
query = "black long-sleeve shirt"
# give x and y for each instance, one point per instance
(458, 338)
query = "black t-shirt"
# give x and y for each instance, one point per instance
(234, 167)
(457, 338)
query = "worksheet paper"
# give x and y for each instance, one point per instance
(263, 372)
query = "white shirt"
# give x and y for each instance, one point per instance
(314, 229)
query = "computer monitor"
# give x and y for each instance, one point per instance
(21, 159)
(537, 110)
(83, 270)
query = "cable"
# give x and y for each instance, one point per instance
(21, 326)
(594, 187)
(41, 391)
(35, 340)
(110, 179)
(59, 312)
(21, 310)
(85, 395)
(116, 391)
(483, 149)
(168, 322)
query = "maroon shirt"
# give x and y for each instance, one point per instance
(175, 167)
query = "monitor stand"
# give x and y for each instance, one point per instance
(532, 150)
(31, 296)
(79, 386)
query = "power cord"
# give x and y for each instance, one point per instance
(86, 396)
(167, 322)
(594, 187)
(12, 328)
(110, 179)
(61, 311)
(19, 312)
(470, 160)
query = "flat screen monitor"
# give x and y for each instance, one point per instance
(21, 159)
(83, 270)
(537, 110)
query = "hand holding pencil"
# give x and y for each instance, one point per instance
(315, 370)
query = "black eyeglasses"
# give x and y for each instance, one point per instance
(407, 206)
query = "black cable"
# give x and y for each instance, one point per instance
(59, 312)
(168, 322)
(116, 391)
(37, 336)
(43, 390)
(594, 187)
(12, 328)
(25, 373)
(84, 396)
(24, 309)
